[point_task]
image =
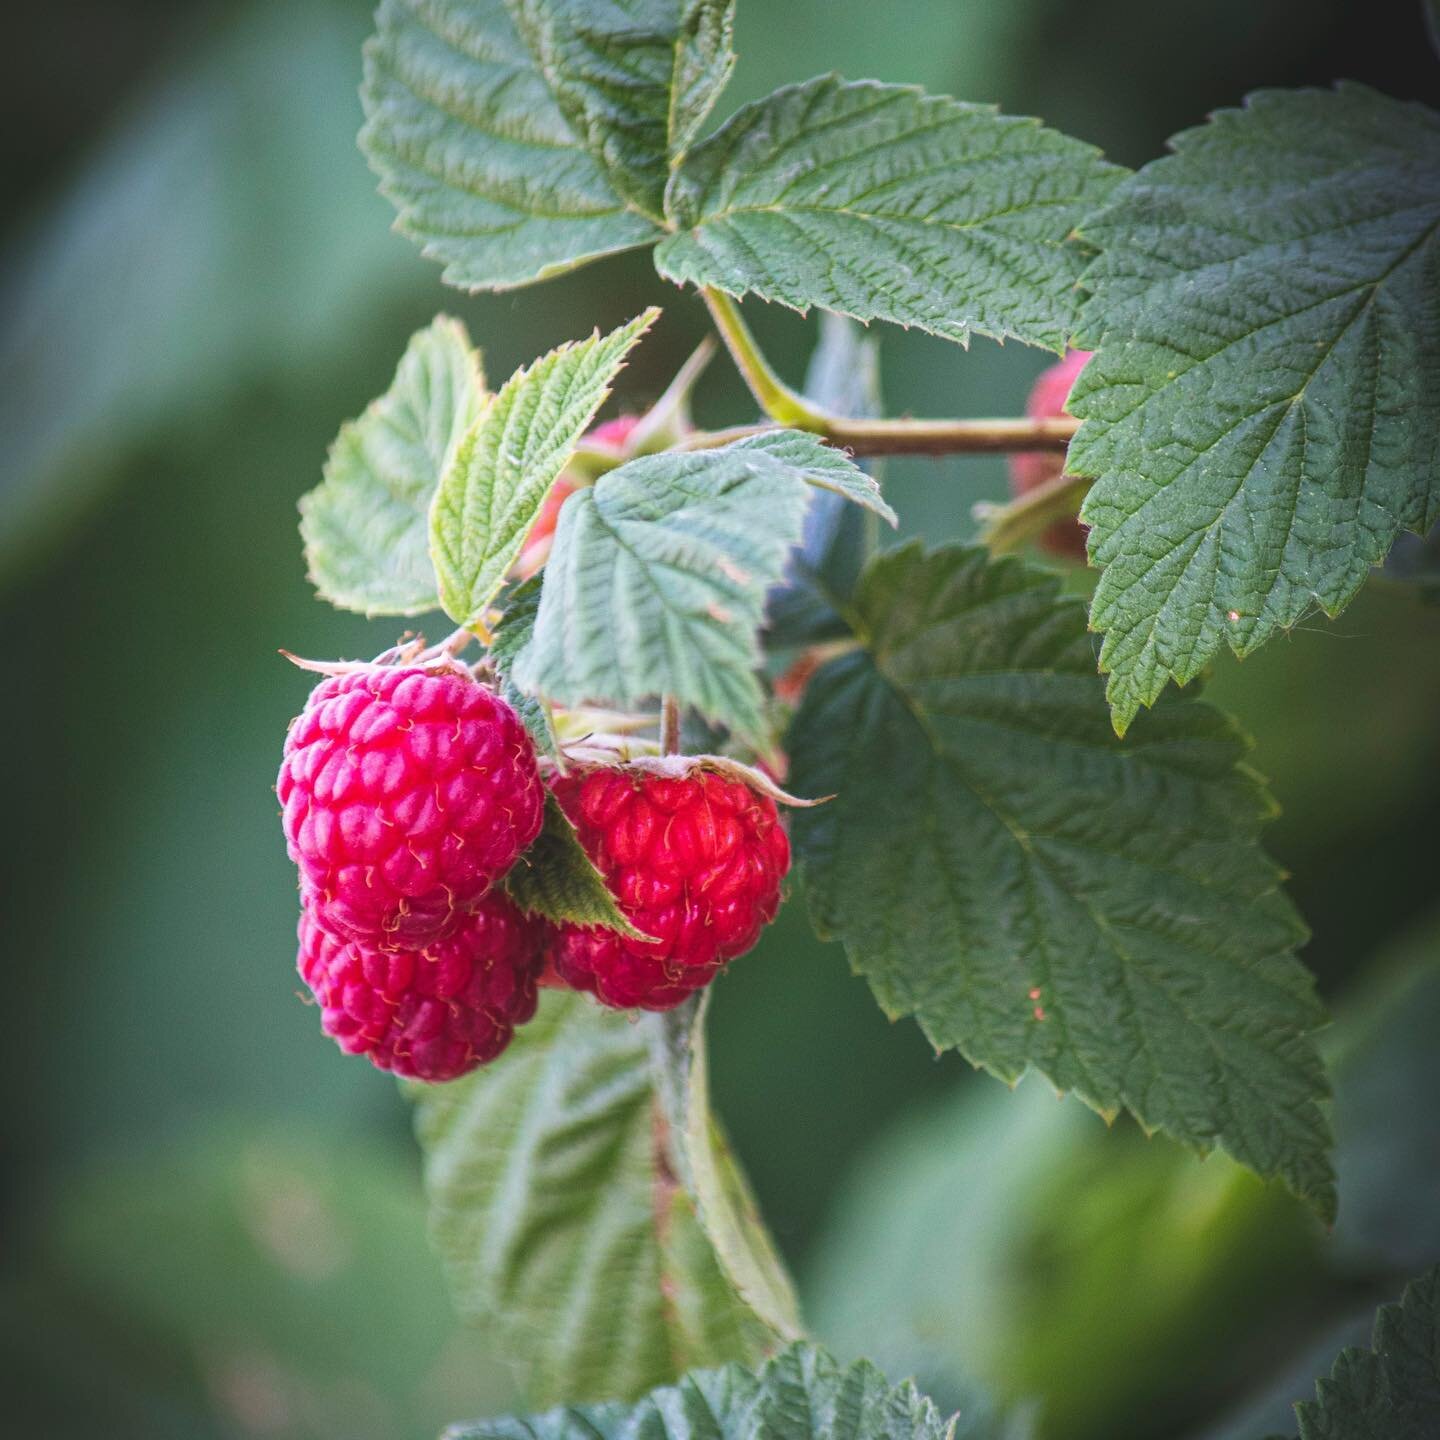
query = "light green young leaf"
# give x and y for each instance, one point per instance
(801, 1394)
(657, 579)
(558, 1219)
(823, 466)
(884, 203)
(520, 140)
(728, 1214)
(365, 527)
(1264, 413)
(1392, 1390)
(633, 78)
(557, 880)
(492, 491)
(1038, 893)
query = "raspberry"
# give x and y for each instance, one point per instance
(406, 794)
(695, 861)
(431, 1013)
(1032, 468)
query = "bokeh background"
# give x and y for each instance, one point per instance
(212, 1222)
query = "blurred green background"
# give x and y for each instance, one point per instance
(212, 1221)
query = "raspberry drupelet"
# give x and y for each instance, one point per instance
(406, 794)
(695, 860)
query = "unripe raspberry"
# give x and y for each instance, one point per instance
(1031, 469)
(694, 860)
(432, 1013)
(406, 794)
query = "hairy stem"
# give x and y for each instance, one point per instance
(669, 726)
(787, 407)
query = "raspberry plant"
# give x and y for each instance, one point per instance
(1044, 853)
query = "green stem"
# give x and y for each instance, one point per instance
(787, 407)
(1008, 527)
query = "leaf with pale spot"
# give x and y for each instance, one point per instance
(1039, 893)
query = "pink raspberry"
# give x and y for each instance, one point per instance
(406, 795)
(694, 861)
(1030, 469)
(432, 1013)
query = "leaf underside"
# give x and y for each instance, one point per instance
(1263, 417)
(657, 579)
(883, 203)
(558, 1222)
(1038, 893)
(365, 528)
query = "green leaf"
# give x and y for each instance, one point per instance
(493, 489)
(520, 140)
(517, 625)
(657, 580)
(556, 879)
(727, 1210)
(799, 1395)
(559, 1221)
(820, 465)
(1038, 893)
(633, 78)
(1264, 413)
(365, 528)
(884, 203)
(1392, 1390)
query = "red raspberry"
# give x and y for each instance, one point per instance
(1030, 469)
(432, 1013)
(406, 795)
(695, 861)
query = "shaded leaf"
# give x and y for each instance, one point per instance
(1264, 413)
(492, 492)
(559, 1222)
(1038, 893)
(366, 531)
(882, 202)
(517, 625)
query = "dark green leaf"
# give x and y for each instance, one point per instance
(517, 625)
(556, 879)
(1038, 893)
(1392, 1390)
(366, 527)
(492, 491)
(801, 1394)
(882, 202)
(1264, 413)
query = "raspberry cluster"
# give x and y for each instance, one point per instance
(696, 863)
(406, 795)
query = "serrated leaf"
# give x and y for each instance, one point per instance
(801, 1394)
(557, 880)
(365, 528)
(1038, 893)
(725, 1207)
(517, 625)
(633, 78)
(559, 1222)
(657, 579)
(520, 140)
(822, 466)
(1392, 1390)
(843, 379)
(1264, 413)
(884, 203)
(492, 491)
